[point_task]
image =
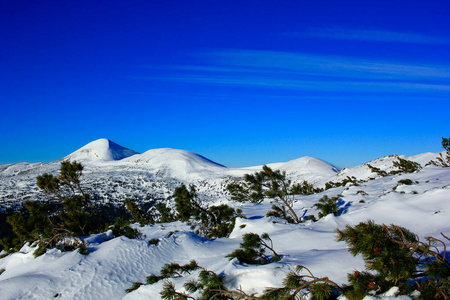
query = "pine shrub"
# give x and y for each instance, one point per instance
(395, 257)
(173, 270)
(134, 287)
(211, 222)
(405, 166)
(443, 160)
(303, 286)
(305, 188)
(122, 227)
(378, 171)
(253, 250)
(241, 192)
(327, 206)
(406, 181)
(186, 203)
(271, 184)
(165, 214)
(137, 214)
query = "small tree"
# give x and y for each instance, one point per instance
(327, 206)
(211, 222)
(253, 250)
(186, 202)
(217, 221)
(75, 204)
(241, 192)
(137, 214)
(300, 286)
(63, 220)
(209, 283)
(173, 270)
(169, 292)
(396, 257)
(169, 270)
(271, 184)
(122, 227)
(305, 188)
(165, 214)
(405, 166)
(443, 160)
(30, 225)
(377, 170)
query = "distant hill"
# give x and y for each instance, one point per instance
(114, 173)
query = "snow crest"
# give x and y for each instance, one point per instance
(101, 150)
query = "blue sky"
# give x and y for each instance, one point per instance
(240, 83)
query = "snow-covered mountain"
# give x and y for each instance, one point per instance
(100, 150)
(114, 173)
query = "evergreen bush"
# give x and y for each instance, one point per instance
(212, 222)
(303, 286)
(253, 250)
(405, 166)
(327, 206)
(406, 181)
(122, 227)
(378, 171)
(165, 214)
(443, 160)
(241, 192)
(274, 185)
(186, 203)
(305, 188)
(137, 214)
(394, 256)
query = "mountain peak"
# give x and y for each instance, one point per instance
(101, 149)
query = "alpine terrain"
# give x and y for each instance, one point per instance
(157, 263)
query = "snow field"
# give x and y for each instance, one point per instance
(114, 263)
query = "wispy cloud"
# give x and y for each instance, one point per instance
(322, 65)
(286, 70)
(371, 35)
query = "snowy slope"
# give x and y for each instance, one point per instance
(309, 167)
(115, 263)
(177, 163)
(363, 172)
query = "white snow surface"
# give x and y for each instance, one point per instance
(114, 263)
(177, 163)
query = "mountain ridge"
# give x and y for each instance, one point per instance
(115, 173)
